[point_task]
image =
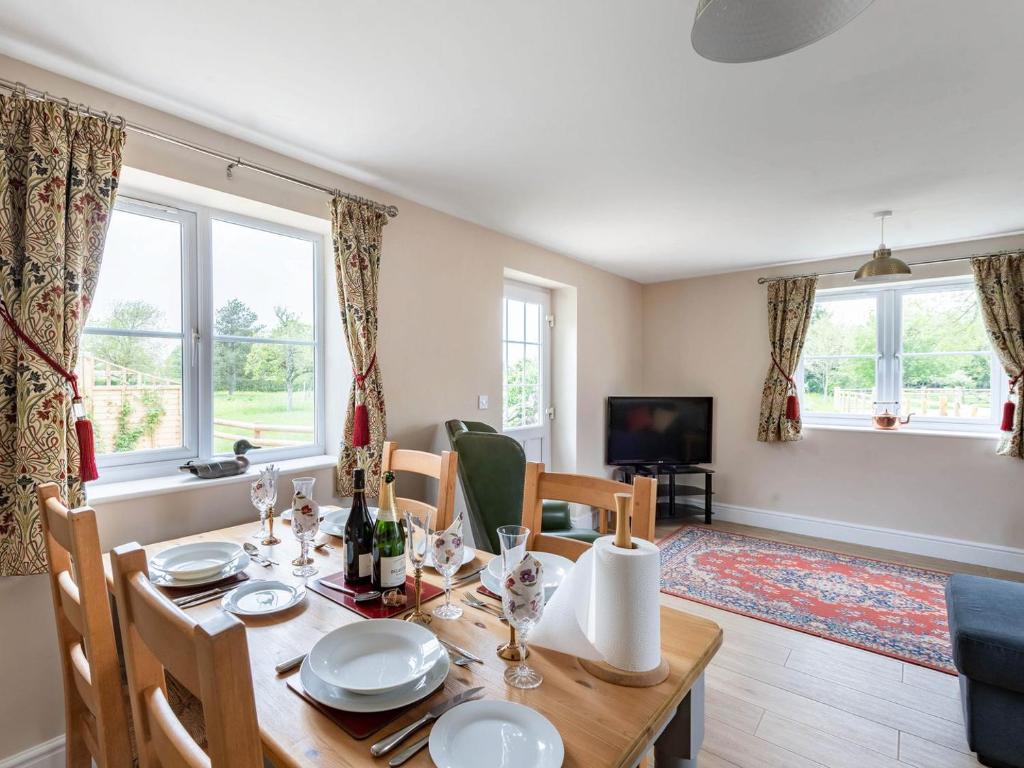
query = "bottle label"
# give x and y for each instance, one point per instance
(365, 565)
(392, 571)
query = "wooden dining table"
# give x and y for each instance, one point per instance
(601, 724)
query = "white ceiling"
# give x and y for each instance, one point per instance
(590, 126)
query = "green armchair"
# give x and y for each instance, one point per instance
(492, 468)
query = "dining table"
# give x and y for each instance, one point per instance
(601, 724)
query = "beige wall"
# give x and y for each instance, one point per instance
(708, 336)
(441, 287)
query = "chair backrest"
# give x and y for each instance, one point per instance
(596, 492)
(491, 469)
(442, 468)
(96, 719)
(210, 659)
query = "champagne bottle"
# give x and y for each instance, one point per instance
(358, 535)
(388, 541)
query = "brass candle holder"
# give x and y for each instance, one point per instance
(271, 539)
(418, 616)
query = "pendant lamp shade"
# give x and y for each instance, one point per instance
(883, 265)
(735, 31)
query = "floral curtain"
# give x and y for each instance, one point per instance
(1000, 284)
(58, 180)
(789, 314)
(357, 232)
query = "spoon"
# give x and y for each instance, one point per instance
(250, 549)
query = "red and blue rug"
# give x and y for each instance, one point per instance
(895, 610)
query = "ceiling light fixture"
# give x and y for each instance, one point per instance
(738, 31)
(883, 265)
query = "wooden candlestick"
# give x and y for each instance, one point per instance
(623, 501)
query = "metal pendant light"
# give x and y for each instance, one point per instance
(736, 31)
(883, 265)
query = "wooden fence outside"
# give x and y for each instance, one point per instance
(958, 402)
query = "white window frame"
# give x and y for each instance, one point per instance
(534, 295)
(197, 326)
(889, 357)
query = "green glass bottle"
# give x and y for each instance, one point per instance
(388, 541)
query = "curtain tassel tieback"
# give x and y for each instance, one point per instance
(360, 416)
(83, 427)
(1010, 407)
(792, 402)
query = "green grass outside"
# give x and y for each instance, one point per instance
(262, 408)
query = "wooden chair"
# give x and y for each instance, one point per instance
(583, 489)
(442, 468)
(95, 716)
(210, 659)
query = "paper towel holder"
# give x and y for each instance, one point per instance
(600, 669)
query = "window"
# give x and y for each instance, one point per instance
(525, 363)
(920, 348)
(204, 330)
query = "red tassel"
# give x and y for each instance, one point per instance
(792, 408)
(360, 427)
(86, 447)
(1009, 410)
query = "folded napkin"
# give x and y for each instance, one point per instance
(448, 544)
(524, 591)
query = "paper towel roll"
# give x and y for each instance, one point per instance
(626, 605)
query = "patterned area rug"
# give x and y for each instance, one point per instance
(895, 610)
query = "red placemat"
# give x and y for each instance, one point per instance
(176, 592)
(372, 609)
(358, 725)
(487, 593)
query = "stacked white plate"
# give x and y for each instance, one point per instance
(372, 666)
(334, 521)
(202, 562)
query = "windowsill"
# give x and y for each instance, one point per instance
(180, 482)
(905, 431)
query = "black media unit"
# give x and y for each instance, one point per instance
(669, 491)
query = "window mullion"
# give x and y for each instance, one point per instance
(203, 371)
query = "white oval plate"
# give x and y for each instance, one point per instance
(256, 598)
(325, 510)
(374, 657)
(339, 698)
(334, 522)
(495, 733)
(467, 556)
(164, 580)
(556, 568)
(196, 560)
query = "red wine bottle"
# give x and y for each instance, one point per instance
(358, 535)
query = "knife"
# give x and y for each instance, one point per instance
(388, 743)
(289, 664)
(467, 576)
(359, 597)
(462, 651)
(405, 754)
(203, 599)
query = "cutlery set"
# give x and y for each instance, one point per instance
(389, 743)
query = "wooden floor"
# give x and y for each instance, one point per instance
(778, 698)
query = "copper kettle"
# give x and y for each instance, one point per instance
(888, 420)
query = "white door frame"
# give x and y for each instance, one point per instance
(533, 294)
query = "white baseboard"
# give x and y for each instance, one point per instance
(49, 754)
(976, 553)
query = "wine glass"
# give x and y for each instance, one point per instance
(521, 617)
(305, 524)
(263, 494)
(419, 526)
(447, 557)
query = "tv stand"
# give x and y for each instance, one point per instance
(669, 491)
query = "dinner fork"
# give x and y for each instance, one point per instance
(472, 602)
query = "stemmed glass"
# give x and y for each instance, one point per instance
(521, 617)
(419, 527)
(305, 525)
(447, 557)
(263, 493)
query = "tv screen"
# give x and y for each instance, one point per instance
(658, 430)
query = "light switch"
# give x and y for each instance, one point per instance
(483, 403)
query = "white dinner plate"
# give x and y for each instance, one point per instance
(339, 698)
(256, 598)
(165, 580)
(375, 657)
(325, 510)
(334, 522)
(187, 562)
(467, 556)
(500, 734)
(556, 568)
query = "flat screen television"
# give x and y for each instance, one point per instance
(658, 430)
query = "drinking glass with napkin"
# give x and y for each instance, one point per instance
(447, 556)
(523, 600)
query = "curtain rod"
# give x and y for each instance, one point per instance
(763, 280)
(18, 88)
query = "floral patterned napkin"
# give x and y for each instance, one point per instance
(448, 544)
(524, 591)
